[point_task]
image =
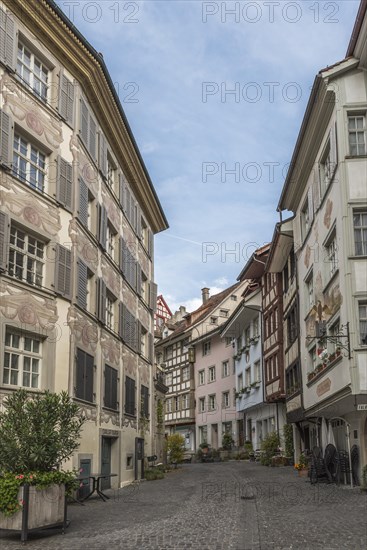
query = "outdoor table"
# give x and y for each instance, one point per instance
(96, 488)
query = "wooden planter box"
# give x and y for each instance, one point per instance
(42, 508)
(303, 473)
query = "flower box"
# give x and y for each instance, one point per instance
(41, 508)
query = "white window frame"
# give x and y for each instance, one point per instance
(185, 401)
(362, 321)
(29, 162)
(305, 219)
(360, 149)
(257, 371)
(212, 402)
(248, 377)
(38, 76)
(206, 348)
(211, 374)
(225, 369)
(110, 310)
(331, 254)
(22, 263)
(34, 358)
(360, 229)
(185, 374)
(201, 375)
(201, 404)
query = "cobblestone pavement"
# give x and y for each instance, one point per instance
(220, 506)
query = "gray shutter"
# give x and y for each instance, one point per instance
(316, 186)
(310, 204)
(79, 374)
(82, 284)
(66, 100)
(134, 270)
(101, 310)
(89, 375)
(114, 385)
(138, 222)
(83, 203)
(121, 320)
(150, 347)
(84, 122)
(92, 137)
(128, 199)
(153, 290)
(333, 150)
(102, 229)
(122, 187)
(138, 279)
(122, 252)
(63, 271)
(64, 184)
(6, 140)
(7, 40)
(137, 345)
(150, 243)
(102, 154)
(4, 240)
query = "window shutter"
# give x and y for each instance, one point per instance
(333, 149)
(310, 204)
(114, 386)
(6, 140)
(297, 232)
(138, 222)
(4, 240)
(122, 253)
(79, 375)
(64, 183)
(101, 312)
(150, 243)
(102, 154)
(138, 279)
(316, 185)
(129, 396)
(107, 386)
(153, 290)
(127, 204)
(63, 271)
(84, 122)
(7, 40)
(66, 100)
(89, 372)
(83, 203)
(82, 284)
(150, 347)
(138, 332)
(121, 319)
(92, 137)
(121, 191)
(102, 230)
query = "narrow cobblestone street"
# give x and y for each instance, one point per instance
(233, 505)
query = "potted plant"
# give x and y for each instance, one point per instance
(38, 432)
(301, 466)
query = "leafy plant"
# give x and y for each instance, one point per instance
(269, 446)
(38, 432)
(153, 473)
(288, 440)
(176, 447)
(302, 463)
(227, 441)
(160, 416)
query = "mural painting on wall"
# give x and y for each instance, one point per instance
(113, 212)
(328, 212)
(110, 277)
(86, 169)
(19, 202)
(111, 349)
(87, 251)
(83, 330)
(24, 109)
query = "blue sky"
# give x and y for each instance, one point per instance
(217, 159)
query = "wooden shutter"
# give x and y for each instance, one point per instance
(297, 232)
(128, 199)
(107, 386)
(64, 184)
(79, 374)
(137, 341)
(139, 278)
(102, 154)
(114, 386)
(121, 190)
(89, 375)
(129, 396)
(6, 140)
(153, 290)
(84, 122)
(333, 150)
(150, 243)
(316, 186)
(63, 271)
(310, 204)
(150, 347)
(82, 284)
(102, 228)
(101, 296)
(4, 240)
(138, 222)
(144, 393)
(7, 40)
(92, 137)
(83, 202)
(121, 319)
(66, 100)
(122, 252)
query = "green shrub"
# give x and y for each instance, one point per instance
(176, 448)
(248, 446)
(288, 440)
(153, 473)
(227, 441)
(269, 447)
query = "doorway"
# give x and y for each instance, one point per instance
(214, 436)
(106, 462)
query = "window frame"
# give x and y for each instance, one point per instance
(362, 341)
(22, 162)
(355, 115)
(26, 256)
(211, 374)
(22, 353)
(34, 57)
(362, 228)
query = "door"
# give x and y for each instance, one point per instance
(215, 436)
(139, 458)
(106, 462)
(85, 466)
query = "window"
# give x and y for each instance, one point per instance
(22, 360)
(144, 289)
(202, 404)
(240, 381)
(110, 388)
(168, 352)
(225, 400)
(206, 348)
(213, 320)
(292, 326)
(110, 240)
(144, 233)
(305, 220)
(26, 257)
(334, 331)
(309, 291)
(176, 403)
(211, 374)
(255, 327)
(130, 396)
(84, 376)
(362, 309)
(144, 401)
(32, 71)
(331, 256)
(228, 341)
(234, 298)
(312, 359)
(185, 374)
(248, 377)
(223, 312)
(247, 336)
(357, 135)
(111, 173)
(326, 169)
(225, 369)
(169, 379)
(29, 163)
(185, 401)
(169, 405)
(239, 343)
(360, 232)
(201, 377)
(293, 380)
(257, 371)
(212, 402)
(110, 306)
(203, 434)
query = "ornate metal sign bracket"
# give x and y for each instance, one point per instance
(341, 340)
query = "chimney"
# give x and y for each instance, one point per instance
(205, 294)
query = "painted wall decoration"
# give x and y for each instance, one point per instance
(113, 212)
(85, 168)
(87, 250)
(110, 277)
(19, 202)
(84, 331)
(111, 349)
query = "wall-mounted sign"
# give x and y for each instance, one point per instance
(362, 407)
